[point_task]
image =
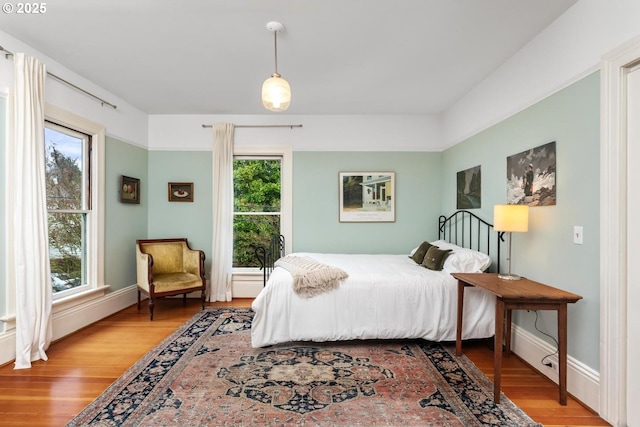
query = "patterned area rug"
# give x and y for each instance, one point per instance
(207, 374)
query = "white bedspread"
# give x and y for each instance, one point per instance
(385, 297)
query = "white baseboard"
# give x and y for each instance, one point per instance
(7, 347)
(246, 285)
(74, 318)
(583, 383)
(70, 320)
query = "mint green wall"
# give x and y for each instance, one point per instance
(316, 227)
(124, 222)
(3, 206)
(547, 254)
(181, 219)
(315, 200)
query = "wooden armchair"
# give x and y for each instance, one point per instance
(168, 267)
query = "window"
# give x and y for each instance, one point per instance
(68, 186)
(257, 206)
(263, 199)
(74, 168)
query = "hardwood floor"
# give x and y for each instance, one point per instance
(82, 365)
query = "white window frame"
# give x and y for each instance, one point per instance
(248, 281)
(85, 208)
(95, 218)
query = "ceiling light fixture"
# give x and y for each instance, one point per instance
(276, 92)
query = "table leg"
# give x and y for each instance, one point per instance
(562, 353)
(459, 318)
(507, 334)
(497, 350)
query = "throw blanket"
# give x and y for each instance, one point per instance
(310, 277)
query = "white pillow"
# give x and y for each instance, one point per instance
(463, 260)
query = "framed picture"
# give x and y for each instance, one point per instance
(468, 189)
(367, 196)
(181, 191)
(531, 176)
(129, 190)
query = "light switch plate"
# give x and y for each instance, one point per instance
(578, 236)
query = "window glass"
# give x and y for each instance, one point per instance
(67, 186)
(257, 206)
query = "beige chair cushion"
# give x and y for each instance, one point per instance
(175, 281)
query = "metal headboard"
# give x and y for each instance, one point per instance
(468, 230)
(269, 255)
(463, 228)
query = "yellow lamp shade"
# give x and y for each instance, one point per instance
(276, 93)
(511, 218)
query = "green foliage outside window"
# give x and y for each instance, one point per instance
(256, 188)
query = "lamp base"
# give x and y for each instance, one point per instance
(509, 276)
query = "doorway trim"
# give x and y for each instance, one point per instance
(613, 231)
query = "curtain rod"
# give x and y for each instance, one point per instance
(260, 126)
(8, 53)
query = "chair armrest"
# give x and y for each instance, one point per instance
(193, 261)
(144, 262)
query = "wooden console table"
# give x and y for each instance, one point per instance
(523, 294)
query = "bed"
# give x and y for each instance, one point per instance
(384, 296)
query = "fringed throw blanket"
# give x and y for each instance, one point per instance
(310, 277)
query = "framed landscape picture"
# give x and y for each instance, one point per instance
(367, 196)
(468, 189)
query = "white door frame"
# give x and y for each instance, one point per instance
(613, 232)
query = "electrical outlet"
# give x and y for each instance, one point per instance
(553, 364)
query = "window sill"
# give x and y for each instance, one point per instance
(247, 271)
(70, 301)
(61, 305)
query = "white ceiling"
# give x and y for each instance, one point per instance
(340, 56)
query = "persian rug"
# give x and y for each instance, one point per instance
(207, 374)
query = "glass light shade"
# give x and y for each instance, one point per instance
(276, 93)
(511, 218)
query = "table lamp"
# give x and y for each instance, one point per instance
(510, 218)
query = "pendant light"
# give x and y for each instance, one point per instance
(276, 92)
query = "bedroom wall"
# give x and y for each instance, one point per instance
(192, 220)
(124, 222)
(180, 151)
(571, 117)
(315, 200)
(316, 227)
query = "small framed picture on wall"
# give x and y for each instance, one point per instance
(469, 189)
(181, 191)
(129, 190)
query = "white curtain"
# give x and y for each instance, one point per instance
(30, 231)
(222, 259)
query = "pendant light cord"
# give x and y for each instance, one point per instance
(275, 44)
